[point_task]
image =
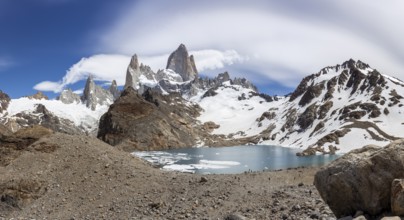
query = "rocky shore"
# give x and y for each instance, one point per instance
(63, 176)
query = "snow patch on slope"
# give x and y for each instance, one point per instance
(78, 113)
(232, 112)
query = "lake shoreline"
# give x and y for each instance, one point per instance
(231, 160)
(83, 177)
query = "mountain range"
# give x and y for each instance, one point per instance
(340, 108)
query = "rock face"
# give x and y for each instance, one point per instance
(180, 62)
(149, 122)
(94, 95)
(362, 179)
(67, 96)
(113, 89)
(397, 197)
(4, 101)
(132, 73)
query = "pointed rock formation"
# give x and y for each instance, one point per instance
(94, 95)
(133, 73)
(67, 96)
(4, 101)
(113, 89)
(180, 62)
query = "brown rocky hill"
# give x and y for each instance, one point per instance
(150, 121)
(62, 176)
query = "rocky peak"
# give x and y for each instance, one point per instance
(94, 95)
(67, 96)
(39, 95)
(4, 101)
(352, 64)
(132, 73)
(113, 89)
(180, 62)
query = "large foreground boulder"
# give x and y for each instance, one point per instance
(362, 179)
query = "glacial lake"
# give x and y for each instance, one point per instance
(237, 159)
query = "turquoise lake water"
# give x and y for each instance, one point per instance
(237, 159)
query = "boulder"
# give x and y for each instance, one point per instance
(361, 179)
(397, 197)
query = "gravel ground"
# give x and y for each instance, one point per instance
(78, 177)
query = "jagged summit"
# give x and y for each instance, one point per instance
(132, 73)
(180, 62)
(94, 95)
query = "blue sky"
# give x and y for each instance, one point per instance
(50, 45)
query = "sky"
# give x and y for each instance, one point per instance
(51, 45)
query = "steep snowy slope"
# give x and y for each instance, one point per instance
(70, 118)
(234, 108)
(346, 106)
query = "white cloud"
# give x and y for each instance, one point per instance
(49, 86)
(214, 59)
(284, 40)
(107, 67)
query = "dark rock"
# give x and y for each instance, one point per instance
(397, 197)
(358, 180)
(307, 118)
(235, 217)
(203, 180)
(149, 122)
(211, 92)
(311, 93)
(324, 109)
(4, 101)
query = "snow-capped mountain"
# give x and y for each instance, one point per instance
(345, 106)
(341, 107)
(69, 113)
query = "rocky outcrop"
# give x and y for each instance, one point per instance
(132, 73)
(94, 95)
(4, 101)
(4, 131)
(67, 96)
(39, 95)
(149, 122)
(180, 62)
(13, 145)
(113, 89)
(362, 179)
(397, 197)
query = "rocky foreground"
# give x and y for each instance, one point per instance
(45, 175)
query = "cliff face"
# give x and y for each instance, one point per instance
(180, 62)
(149, 121)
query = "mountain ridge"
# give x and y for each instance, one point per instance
(348, 101)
